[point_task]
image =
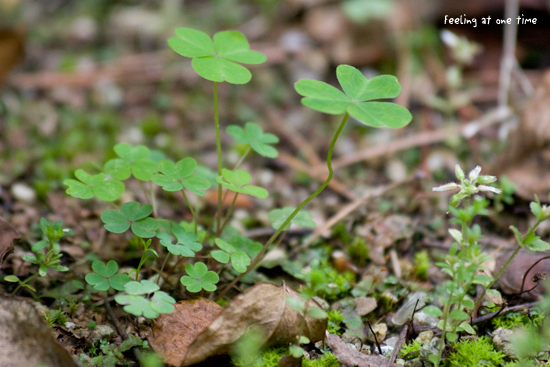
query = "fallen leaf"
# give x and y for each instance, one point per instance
(7, 234)
(263, 309)
(350, 357)
(174, 332)
(511, 279)
(26, 339)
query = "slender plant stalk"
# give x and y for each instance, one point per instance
(258, 258)
(238, 164)
(24, 282)
(219, 152)
(229, 212)
(153, 198)
(443, 332)
(195, 219)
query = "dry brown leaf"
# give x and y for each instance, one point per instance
(173, 333)
(261, 308)
(511, 279)
(7, 234)
(350, 357)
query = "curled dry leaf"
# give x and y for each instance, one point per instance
(174, 332)
(511, 279)
(7, 234)
(350, 357)
(262, 308)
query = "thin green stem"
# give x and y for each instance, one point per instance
(229, 212)
(443, 332)
(195, 219)
(153, 198)
(296, 211)
(144, 191)
(24, 282)
(219, 152)
(162, 267)
(238, 164)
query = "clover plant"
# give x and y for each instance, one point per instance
(217, 59)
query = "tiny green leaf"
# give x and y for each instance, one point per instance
(199, 277)
(538, 245)
(238, 181)
(295, 303)
(131, 215)
(317, 313)
(143, 287)
(180, 175)
(432, 311)
(94, 185)
(452, 337)
(254, 136)
(459, 315)
(133, 160)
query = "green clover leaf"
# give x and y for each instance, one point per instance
(137, 304)
(93, 185)
(253, 135)
(199, 277)
(133, 160)
(232, 250)
(279, 216)
(175, 177)
(105, 276)
(357, 98)
(187, 243)
(217, 61)
(238, 181)
(132, 215)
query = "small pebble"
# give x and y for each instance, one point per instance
(22, 192)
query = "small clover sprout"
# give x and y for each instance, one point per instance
(279, 216)
(187, 243)
(217, 61)
(238, 181)
(238, 249)
(137, 303)
(50, 259)
(133, 160)
(199, 277)
(357, 98)
(132, 215)
(253, 135)
(175, 177)
(93, 185)
(105, 276)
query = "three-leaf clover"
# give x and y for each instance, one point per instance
(133, 160)
(93, 185)
(253, 135)
(238, 181)
(217, 61)
(105, 276)
(237, 250)
(199, 277)
(176, 176)
(132, 215)
(279, 216)
(138, 304)
(357, 98)
(186, 245)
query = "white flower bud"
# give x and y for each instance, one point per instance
(447, 187)
(484, 180)
(474, 173)
(459, 172)
(489, 188)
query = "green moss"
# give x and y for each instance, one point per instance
(267, 358)
(514, 319)
(422, 264)
(335, 319)
(475, 352)
(411, 347)
(327, 360)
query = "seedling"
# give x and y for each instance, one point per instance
(187, 243)
(253, 135)
(47, 254)
(199, 277)
(131, 215)
(106, 277)
(133, 160)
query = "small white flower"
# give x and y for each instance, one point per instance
(447, 187)
(474, 173)
(489, 188)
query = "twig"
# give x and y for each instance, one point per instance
(398, 344)
(528, 270)
(511, 9)
(375, 338)
(489, 316)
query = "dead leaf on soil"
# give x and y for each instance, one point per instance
(262, 309)
(511, 279)
(173, 333)
(350, 357)
(7, 234)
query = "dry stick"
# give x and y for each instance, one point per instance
(487, 317)
(508, 60)
(527, 272)
(492, 117)
(345, 211)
